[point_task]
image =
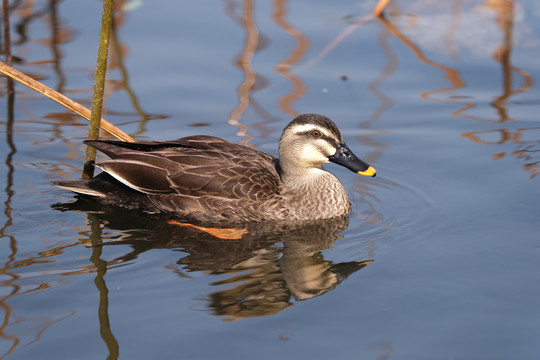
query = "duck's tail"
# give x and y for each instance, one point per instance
(108, 190)
(81, 187)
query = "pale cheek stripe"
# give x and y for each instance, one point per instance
(311, 153)
(319, 153)
(331, 150)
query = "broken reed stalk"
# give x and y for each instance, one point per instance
(99, 86)
(379, 8)
(62, 100)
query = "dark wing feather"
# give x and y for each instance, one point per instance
(196, 166)
(138, 175)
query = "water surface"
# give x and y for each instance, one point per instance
(443, 99)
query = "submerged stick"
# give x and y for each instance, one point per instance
(99, 86)
(62, 100)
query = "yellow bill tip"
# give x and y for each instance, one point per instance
(369, 172)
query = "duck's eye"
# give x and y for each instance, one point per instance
(316, 133)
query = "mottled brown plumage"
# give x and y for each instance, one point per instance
(208, 179)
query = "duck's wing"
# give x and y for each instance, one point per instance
(197, 166)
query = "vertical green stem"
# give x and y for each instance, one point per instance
(99, 85)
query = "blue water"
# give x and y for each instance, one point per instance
(435, 98)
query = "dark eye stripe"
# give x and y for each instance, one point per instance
(328, 139)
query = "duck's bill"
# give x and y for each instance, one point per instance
(345, 157)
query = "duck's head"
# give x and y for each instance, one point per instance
(311, 140)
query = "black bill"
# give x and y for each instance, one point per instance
(345, 157)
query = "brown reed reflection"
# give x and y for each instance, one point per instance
(302, 45)
(505, 13)
(244, 62)
(451, 75)
(388, 71)
(4, 232)
(253, 43)
(57, 37)
(35, 326)
(116, 61)
(266, 269)
(527, 151)
(20, 286)
(25, 14)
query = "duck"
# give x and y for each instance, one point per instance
(206, 179)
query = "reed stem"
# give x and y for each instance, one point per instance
(99, 85)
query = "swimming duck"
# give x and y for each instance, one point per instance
(208, 179)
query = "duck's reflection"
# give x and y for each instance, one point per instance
(271, 275)
(268, 267)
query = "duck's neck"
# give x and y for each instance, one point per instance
(314, 193)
